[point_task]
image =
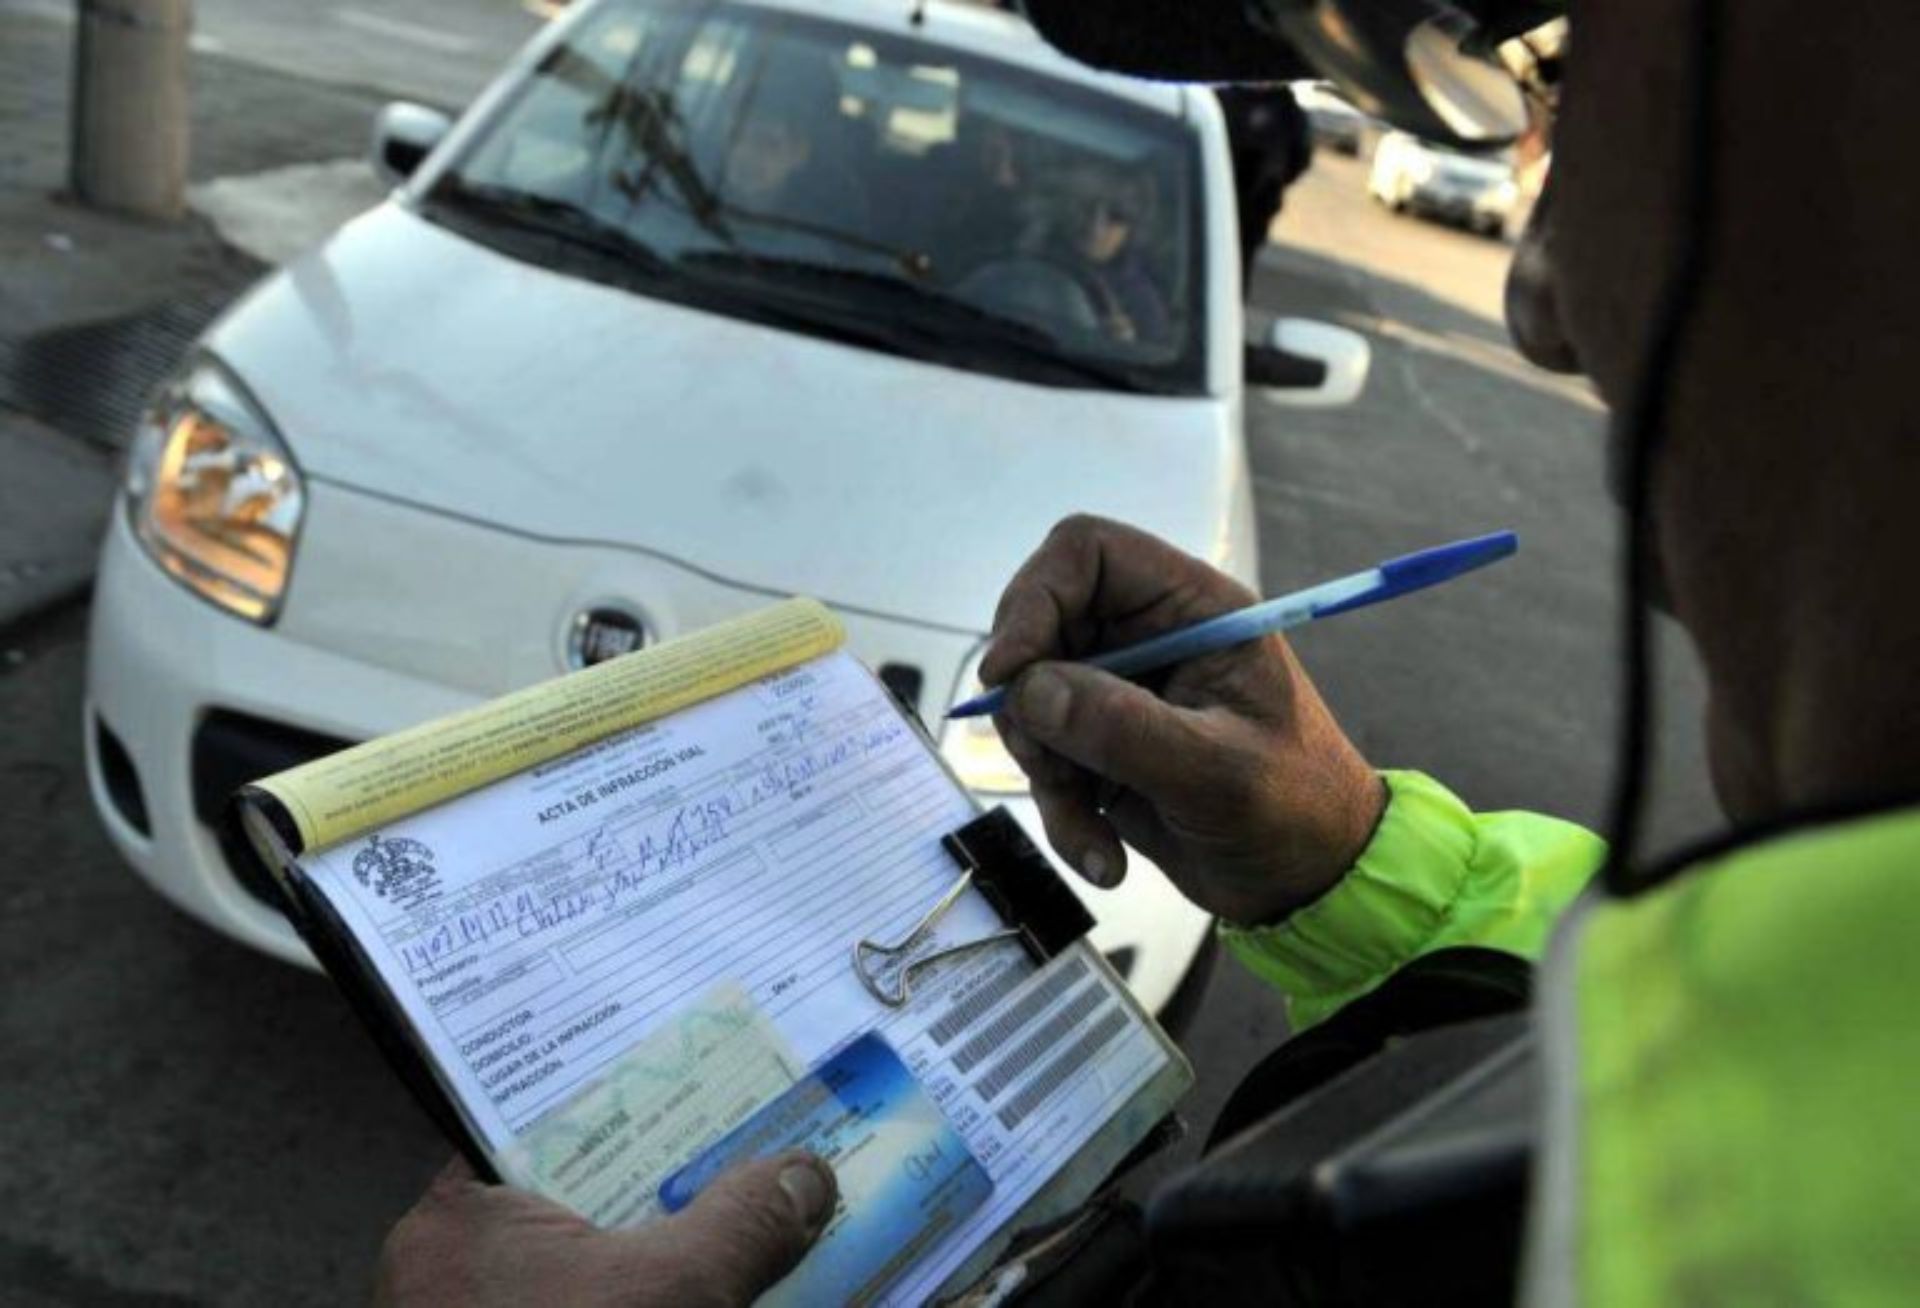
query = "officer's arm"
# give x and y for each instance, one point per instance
(1434, 876)
(1234, 777)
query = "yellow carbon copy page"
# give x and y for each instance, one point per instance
(352, 792)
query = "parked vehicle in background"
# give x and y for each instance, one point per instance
(1337, 125)
(698, 306)
(1475, 191)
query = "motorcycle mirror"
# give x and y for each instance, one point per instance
(1415, 64)
(1477, 100)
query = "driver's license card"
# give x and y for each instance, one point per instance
(906, 1177)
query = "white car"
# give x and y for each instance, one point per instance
(1476, 191)
(1337, 125)
(697, 306)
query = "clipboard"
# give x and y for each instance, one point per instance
(301, 830)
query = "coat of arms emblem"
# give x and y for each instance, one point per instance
(396, 868)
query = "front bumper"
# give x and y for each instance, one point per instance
(185, 702)
(1470, 208)
(161, 665)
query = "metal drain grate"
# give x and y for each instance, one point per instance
(91, 380)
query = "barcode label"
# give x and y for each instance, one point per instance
(1035, 1092)
(969, 1010)
(1004, 1027)
(1040, 1042)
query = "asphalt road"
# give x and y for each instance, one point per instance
(438, 51)
(189, 1123)
(1505, 685)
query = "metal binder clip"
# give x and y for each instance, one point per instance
(903, 991)
(1014, 877)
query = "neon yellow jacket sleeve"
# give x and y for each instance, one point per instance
(1435, 875)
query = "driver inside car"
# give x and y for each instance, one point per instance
(1101, 212)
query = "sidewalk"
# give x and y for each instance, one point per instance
(95, 308)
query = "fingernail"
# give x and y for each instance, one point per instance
(808, 1192)
(1094, 864)
(1045, 698)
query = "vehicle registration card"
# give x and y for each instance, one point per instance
(906, 1177)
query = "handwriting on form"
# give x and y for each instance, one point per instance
(626, 859)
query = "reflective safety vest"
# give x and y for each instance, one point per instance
(1733, 1073)
(1732, 1059)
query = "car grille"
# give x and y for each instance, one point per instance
(229, 750)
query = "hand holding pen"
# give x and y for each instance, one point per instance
(1230, 774)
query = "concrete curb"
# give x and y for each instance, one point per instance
(22, 603)
(54, 503)
(65, 268)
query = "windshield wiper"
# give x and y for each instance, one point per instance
(563, 221)
(580, 230)
(930, 316)
(913, 263)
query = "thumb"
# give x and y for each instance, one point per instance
(1111, 727)
(746, 1230)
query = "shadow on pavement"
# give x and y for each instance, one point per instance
(185, 1118)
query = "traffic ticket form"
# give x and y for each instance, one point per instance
(618, 955)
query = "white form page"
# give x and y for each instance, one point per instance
(536, 929)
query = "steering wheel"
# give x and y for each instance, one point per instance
(1033, 288)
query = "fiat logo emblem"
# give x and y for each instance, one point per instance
(601, 633)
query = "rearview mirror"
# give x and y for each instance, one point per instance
(1309, 365)
(403, 135)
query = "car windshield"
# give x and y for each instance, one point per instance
(869, 184)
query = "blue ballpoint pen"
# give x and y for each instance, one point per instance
(1392, 579)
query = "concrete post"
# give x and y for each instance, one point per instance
(130, 99)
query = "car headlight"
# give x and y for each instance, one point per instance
(213, 494)
(1420, 168)
(973, 748)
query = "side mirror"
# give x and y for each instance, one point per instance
(403, 135)
(1309, 365)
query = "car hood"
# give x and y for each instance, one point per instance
(403, 359)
